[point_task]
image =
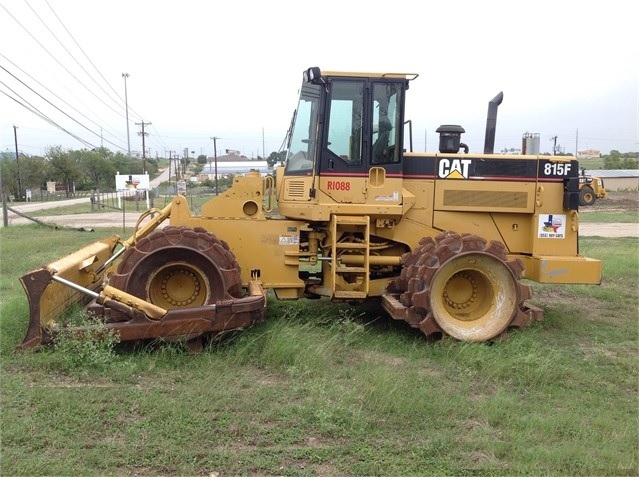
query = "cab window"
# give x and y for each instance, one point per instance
(304, 135)
(386, 123)
(345, 121)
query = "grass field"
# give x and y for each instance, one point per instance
(320, 389)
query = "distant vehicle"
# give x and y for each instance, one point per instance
(591, 188)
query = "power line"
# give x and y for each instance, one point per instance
(46, 118)
(69, 72)
(67, 50)
(45, 99)
(89, 60)
(58, 61)
(54, 94)
(115, 98)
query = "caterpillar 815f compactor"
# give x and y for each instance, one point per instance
(443, 240)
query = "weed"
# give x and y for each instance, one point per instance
(82, 342)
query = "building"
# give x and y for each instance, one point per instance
(588, 153)
(617, 179)
(224, 168)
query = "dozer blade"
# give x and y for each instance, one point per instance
(48, 299)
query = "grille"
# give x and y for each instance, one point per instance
(295, 188)
(475, 198)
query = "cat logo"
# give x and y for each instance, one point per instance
(453, 168)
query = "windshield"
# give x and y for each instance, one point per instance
(304, 135)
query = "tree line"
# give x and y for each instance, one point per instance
(621, 160)
(75, 169)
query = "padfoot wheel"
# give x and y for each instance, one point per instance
(461, 286)
(179, 267)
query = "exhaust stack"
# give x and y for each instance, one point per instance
(491, 123)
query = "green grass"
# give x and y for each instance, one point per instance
(591, 164)
(323, 389)
(608, 216)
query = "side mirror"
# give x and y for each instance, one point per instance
(312, 75)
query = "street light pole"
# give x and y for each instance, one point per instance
(126, 104)
(215, 159)
(5, 216)
(15, 136)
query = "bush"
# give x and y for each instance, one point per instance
(85, 342)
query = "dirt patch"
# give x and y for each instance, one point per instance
(615, 202)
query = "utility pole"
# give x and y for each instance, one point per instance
(126, 104)
(15, 136)
(215, 159)
(143, 134)
(174, 167)
(554, 147)
(170, 160)
(5, 215)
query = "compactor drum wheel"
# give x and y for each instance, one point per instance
(179, 267)
(462, 286)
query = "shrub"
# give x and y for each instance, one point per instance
(85, 342)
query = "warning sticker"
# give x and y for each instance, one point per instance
(552, 226)
(289, 239)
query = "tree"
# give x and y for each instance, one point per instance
(96, 166)
(63, 168)
(201, 159)
(618, 160)
(276, 157)
(9, 172)
(33, 170)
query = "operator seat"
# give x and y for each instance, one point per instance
(380, 146)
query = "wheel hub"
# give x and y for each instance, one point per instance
(461, 291)
(178, 285)
(180, 288)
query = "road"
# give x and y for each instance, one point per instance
(608, 230)
(103, 219)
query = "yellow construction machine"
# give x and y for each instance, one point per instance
(444, 241)
(591, 188)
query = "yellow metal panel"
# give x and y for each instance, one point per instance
(75, 268)
(516, 231)
(467, 222)
(257, 244)
(545, 269)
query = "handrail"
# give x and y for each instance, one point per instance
(269, 193)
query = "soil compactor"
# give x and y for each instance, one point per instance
(445, 241)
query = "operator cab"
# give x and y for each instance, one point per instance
(347, 135)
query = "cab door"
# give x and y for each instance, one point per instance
(361, 158)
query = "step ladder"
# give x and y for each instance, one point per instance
(348, 281)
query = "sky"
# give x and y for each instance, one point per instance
(232, 70)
